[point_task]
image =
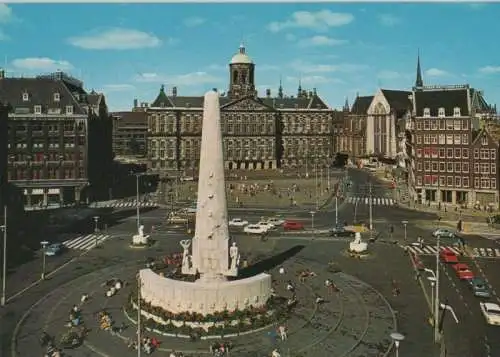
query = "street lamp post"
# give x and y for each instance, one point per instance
(312, 222)
(4, 269)
(371, 209)
(44, 254)
(336, 210)
(436, 300)
(397, 338)
(137, 200)
(405, 223)
(432, 280)
(328, 176)
(96, 229)
(139, 332)
(316, 183)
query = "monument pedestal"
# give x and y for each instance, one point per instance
(139, 239)
(358, 246)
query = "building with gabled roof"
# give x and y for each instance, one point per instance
(269, 132)
(59, 139)
(453, 161)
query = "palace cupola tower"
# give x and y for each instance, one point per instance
(241, 75)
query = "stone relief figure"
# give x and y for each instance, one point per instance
(235, 256)
(186, 258)
(141, 231)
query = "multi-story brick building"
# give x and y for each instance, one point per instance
(59, 139)
(448, 148)
(484, 168)
(259, 132)
(4, 116)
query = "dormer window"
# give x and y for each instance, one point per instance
(456, 112)
(441, 113)
(427, 112)
(38, 109)
(26, 97)
(69, 109)
(57, 97)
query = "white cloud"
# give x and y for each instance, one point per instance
(290, 37)
(5, 13)
(490, 69)
(305, 67)
(388, 20)
(435, 72)
(116, 39)
(317, 41)
(217, 67)
(194, 21)
(189, 79)
(320, 21)
(313, 80)
(118, 87)
(41, 64)
(389, 75)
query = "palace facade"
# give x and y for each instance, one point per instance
(270, 132)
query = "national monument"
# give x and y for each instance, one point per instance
(210, 255)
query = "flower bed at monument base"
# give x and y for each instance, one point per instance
(221, 323)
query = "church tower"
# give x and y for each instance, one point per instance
(241, 75)
(419, 82)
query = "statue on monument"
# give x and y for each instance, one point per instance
(186, 258)
(140, 231)
(235, 256)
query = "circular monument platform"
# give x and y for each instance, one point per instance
(355, 321)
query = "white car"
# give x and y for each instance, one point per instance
(491, 312)
(238, 222)
(264, 224)
(443, 233)
(255, 229)
(275, 222)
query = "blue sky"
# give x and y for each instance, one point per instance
(129, 50)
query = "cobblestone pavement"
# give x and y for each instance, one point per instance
(353, 322)
(305, 197)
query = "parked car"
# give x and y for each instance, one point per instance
(293, 226)
(54, 249)
(479, 287)
(254, 229)
(443, 233)
(176, 219)
(341, 232)
(491, 312)
(275, 222)
(237, 222)
(448, 256)
(463, 271)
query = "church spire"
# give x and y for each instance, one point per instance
(419, 82)
(280, 89)
(346, 104)
(299, 90)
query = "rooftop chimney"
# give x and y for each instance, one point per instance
(136, 102)
(174, 91)
(268, 93)
(2, 73)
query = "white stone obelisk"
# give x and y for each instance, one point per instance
(210, 248)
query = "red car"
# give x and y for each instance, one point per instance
(463, 271)
(292, 226)
(448, 256)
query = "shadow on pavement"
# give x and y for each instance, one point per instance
(269, 263)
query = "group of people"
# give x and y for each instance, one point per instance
(220, 349)
(148, 345)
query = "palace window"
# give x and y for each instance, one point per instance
(38, 109)
(442, 180)
(442, 167)
(476, 168)
(427, 112)
(449, 181)
(442, 152)
(426, 139)
(485, 182)
(456, 112)
(493, 183)
(26, 97)
(485, 168)
(485, 154)
(57, 97)
(458, 153)
(465, 139)
(493, 154)
(442, 139)
(449, 153)
(458, 166)
(434, 166)
(458, 181)
(465, 181)
(457, 139)
(493, 169)
(69, 110)
(476, 154)
(441, 113)
(465, 167)
(449, 139)
(449, 167)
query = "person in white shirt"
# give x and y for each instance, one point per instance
(275, 353)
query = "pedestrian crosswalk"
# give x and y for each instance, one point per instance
(126, 204)
(486, 252)
(430, 249)
(86, 242)
(377, 201)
